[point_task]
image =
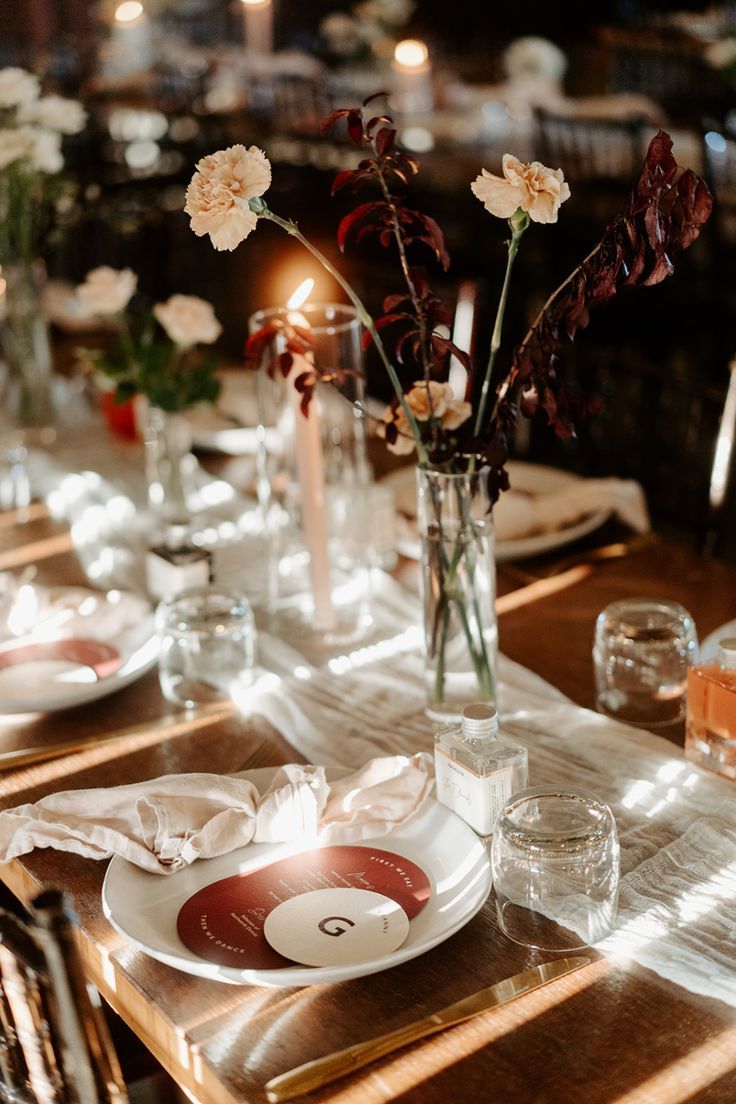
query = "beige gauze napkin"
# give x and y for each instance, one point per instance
(166, 823)
(518, 515)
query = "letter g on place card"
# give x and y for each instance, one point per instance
(336, 927)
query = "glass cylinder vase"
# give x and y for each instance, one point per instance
(313, 473)
(26, 406)
(26, 348)
(458, 590)
(169, 464)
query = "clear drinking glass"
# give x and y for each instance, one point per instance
(641, 654)
(555, 863)
(207, 645)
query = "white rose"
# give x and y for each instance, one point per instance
(14, 145)
(45, 150)
(17, 86)
(107, 290)
(55, 113)
(188, 320)
(534, 188)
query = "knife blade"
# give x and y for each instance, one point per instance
(321, 1071)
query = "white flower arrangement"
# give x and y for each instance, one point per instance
(171, 373)
(31, 130)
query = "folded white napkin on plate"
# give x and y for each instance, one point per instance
(30, 611)
(518, 515)
(166, 823)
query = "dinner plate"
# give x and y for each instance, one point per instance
(211, 432)
(144, 907)
(709, 646)
(533, 479)
(51, 686)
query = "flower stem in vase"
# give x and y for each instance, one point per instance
(458, 583)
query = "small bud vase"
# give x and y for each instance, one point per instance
(26, 406)
(458, 590)
(169, 464)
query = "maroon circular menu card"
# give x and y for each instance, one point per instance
(223, 923)
(102, 658)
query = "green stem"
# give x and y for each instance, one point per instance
(517, 230)
(448, 578)
(292, 229)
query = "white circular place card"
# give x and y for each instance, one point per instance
(60, 676)
(336, 927)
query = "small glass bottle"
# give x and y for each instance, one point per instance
(477, 769)
(710, 735)
(176, 564)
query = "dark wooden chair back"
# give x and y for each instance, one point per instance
(54, 1043)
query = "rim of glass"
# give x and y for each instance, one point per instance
(349, 312)
(435, 473)
(599, 831)
(206, 599)
(630, 614)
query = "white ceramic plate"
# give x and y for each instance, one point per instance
(144, 907)
(535, 479)
(214, 433)
(138, 647)
(709, 647)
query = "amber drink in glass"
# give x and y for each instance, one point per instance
(710, 735)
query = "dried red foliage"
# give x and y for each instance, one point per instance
(281, 343)
(663, 215)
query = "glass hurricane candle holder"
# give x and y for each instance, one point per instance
(313, 477)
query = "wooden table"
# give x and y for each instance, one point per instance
(609, 1034)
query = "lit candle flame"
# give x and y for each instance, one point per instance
(411, 52)
(300, 296)
(128, 11)
(255, 3)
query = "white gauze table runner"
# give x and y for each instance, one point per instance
(677, 824)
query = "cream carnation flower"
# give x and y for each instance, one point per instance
(457, 412)
(534, 188)
(217, 197)
(418, 399)
(55, 113)
(404, 443)
(444, 407)
(188, 320)
(107, 290)
(17, 86)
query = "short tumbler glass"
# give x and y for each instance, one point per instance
(641, 653)
(207, 639)
(555, 862)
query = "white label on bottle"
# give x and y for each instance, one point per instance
(476, 798)
(165, 579)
